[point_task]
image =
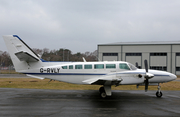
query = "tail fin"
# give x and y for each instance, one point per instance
(21, 54)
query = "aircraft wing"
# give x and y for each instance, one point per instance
(104, 80)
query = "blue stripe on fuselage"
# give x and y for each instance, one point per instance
(63, 74)
(86, 74)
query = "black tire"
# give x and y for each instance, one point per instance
(101, 89)
(103, 95)
(159, 94)
(102, 92)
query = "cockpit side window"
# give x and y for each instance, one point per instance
(124, 66)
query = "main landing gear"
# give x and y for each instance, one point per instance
(105, 91)
(159, 93)
(102, 92)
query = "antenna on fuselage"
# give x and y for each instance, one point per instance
(84, 59)
(98, 58)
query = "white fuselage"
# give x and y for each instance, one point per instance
(77, 72)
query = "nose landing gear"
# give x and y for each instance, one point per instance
(159, 93)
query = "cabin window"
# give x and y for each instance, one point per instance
(78, 66)
(110, 66)
(64, 67)
(124, 66)
(87, 66)
(99, 66)
(70, 66)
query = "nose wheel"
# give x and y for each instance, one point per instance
(159, 93)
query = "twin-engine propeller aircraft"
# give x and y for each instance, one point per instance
(106, 73)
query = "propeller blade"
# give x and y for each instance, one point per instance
(146, 84)
(136, 64)
(147, 75)
(146, 65)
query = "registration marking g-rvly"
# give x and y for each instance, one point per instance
(49, 70)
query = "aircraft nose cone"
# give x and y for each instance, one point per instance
(173, 77)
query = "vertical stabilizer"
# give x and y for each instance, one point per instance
(22, 56)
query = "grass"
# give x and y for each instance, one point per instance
(32, 83)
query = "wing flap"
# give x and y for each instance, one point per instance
(25, 56)
(112, 79)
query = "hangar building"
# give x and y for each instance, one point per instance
(160, 55)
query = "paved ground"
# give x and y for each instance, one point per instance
(55, 103)
(50, 103)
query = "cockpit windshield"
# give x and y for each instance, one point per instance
(132, 66)
(127, 66)
(124, 66)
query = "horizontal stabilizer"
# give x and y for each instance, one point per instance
(25, 56)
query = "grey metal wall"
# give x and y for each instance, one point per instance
(169, 62)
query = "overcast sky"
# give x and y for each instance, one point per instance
(80, 25)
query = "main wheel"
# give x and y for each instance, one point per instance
(103, 95)
(102, 92)
(159, 94)
(101, 89)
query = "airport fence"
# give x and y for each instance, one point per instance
(7, 70)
